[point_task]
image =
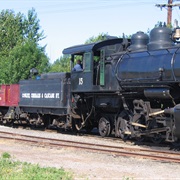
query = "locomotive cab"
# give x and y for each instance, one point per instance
(96, 66)
(95, 86)
(81, 79)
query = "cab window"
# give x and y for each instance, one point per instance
(87, 62)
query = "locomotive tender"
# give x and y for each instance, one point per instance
(129, 87)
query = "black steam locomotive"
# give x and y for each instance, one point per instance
(129, 87)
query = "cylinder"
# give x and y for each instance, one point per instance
(160, 93)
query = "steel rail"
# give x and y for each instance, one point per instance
(115, 150)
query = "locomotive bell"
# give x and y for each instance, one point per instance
(177, 34)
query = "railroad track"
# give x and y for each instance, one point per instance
(134, 152)
(95, 135)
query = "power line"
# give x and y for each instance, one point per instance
(64, 7)
(70, 4)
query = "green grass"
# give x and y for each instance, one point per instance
(15, 170)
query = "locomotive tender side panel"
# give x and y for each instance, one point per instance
(47, 94)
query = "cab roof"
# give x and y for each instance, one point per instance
(80, 49)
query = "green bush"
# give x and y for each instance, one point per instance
(6, 155)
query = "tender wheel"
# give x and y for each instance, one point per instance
(104, 127)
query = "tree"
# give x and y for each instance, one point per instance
(20, 60)
(100, 37)
(61, 65)
(19, 46)
(10, 30)
(31, 27)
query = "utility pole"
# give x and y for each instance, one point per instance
(169, 12)
(169, 7)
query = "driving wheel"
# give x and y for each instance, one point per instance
(122, 128)
(104, 126)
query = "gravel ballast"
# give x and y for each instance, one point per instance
(84, 164)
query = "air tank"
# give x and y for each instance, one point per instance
(139, 41)
(160, 38)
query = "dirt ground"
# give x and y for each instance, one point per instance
(88, 165)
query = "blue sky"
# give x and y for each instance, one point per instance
(71, 22)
